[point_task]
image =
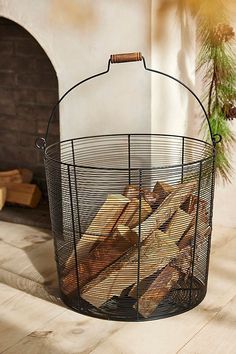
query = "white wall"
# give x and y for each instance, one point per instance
(79, 36)
(173, 52)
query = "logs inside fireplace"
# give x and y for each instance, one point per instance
(16, 188)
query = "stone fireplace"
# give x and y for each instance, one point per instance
(28, 90)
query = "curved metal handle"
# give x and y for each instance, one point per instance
(41, 142)
(213, 136)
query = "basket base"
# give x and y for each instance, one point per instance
(121, 308)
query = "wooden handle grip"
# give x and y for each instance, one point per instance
(126, 57)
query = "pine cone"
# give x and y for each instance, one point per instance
(222, 32)
(230, 112)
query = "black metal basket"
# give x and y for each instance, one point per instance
(131, 217)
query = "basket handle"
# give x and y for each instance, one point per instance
(125, 57)
(41, 142)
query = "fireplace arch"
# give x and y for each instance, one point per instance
(28, 90)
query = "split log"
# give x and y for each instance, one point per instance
(3, 196)
(167, 208)
(101, 226)
(100, 257)
(152, 198)
(130, 215)
(23, 194)
(178, 224)
(12, 176)
(190, 205)
(157, 291)
(163, 283)
(21, 175)
(168, 277)
(131, 191)
(26, 175)
(155, 253)
(177, 227)
(163, 189)
(201, 229)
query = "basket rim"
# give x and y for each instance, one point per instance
(46, 157)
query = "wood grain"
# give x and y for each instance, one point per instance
(155, 253)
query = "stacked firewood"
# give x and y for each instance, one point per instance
(153, 230)
(16, 188)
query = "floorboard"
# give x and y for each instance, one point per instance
(29, 324)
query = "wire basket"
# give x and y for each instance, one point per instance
(131, 218)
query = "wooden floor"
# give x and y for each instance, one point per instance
(33, 320)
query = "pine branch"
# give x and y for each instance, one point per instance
(217, 61)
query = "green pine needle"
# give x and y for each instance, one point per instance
(217, 63)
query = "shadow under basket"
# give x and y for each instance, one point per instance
(132, 218)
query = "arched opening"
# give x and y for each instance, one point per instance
(28, 90)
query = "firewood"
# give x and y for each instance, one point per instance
(152, 198)
(3, 196)
(163, 189)
(130, 215)
(178, 224)
(168, 277)
(26, 174)
(155, 253)
(12, 176)
(131, 191)
(202, 229)
(101, 226)
(100, 257)
(190, 205)
(152, 245)
(23, 194)
(162, 284)
(167, 208)
(183, 261)
(157, 291)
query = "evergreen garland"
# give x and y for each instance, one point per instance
(218, 63)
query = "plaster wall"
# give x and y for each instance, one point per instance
(79, 36)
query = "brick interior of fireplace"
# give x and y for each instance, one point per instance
(28, 90)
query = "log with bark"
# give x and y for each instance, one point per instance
(169, 276)
(26, 175)
(100, 257)
(100, 227)
(12, 176)
(154, 199)
(163, 189)
(119, 210)
(155, 253)
(21, 175)
(130, 215)
(15, 188)
(177, 227)
(167, 208)
(24, 194)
